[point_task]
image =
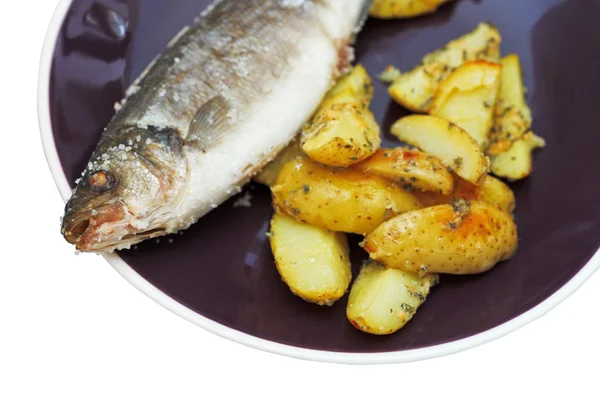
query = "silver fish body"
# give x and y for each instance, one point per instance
(225, 96)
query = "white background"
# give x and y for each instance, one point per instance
(72, 328)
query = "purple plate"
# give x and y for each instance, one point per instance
(220, 273)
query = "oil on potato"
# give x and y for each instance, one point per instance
(268, 174)
(517, 162)
(338, 200)
(468, 97)
(459, 238)
(512, 114)
(415, 89)
(446, 141)
(343, 131)
(386, 9)
(313, 262)
(411, 169)
(383, 300)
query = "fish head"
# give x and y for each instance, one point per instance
(128, 192)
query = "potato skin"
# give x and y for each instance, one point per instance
(337, 199)
(444, 239)
(313, 262)
(383, 300)
(409, 168)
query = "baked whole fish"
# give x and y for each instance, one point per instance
(225, 96)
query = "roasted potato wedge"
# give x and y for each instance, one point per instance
(341, 135)
(343, 131)
(382, 300)
(269, 173)
(338, 200)
(415, 89)
(517, 162)
(446, 141)
(492, 191)
(459, 238)
(409, 168)
(467, 98)
(386, 9)
(313, 262)
(358, 81)
(512, 114)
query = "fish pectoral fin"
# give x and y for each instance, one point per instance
(210, 123)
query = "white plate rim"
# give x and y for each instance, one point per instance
(229, 333)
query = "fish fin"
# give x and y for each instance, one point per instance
(209, 124)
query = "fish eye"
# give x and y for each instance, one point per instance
(102, 181)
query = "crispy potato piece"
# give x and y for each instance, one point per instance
(411, 169)
(517, 162)
(343, 131)
(492, 191)
(382, 300)
(459, 238)
(512, 114)
(338, 200)
(415, 89)
(386, 9)
(446, 141)
(467, 98)
(269, 173)
(357, 80)
(313, 262)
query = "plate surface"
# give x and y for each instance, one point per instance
(222, 268)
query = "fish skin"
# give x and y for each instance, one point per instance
(224, 97)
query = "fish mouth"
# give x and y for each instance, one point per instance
(91, 229)
(104, 229)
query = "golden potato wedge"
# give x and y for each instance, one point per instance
(382, 300)
(467, 98)
(338, 200)
(358, 81)
(409, 168)
(415, 89)
(459, 238)
(492, 191)
(269, 173)
(517, 162)
(512, 114)
(446, 141)
(341, 135)
(343, 131)
(386, 9)
(313, 262)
